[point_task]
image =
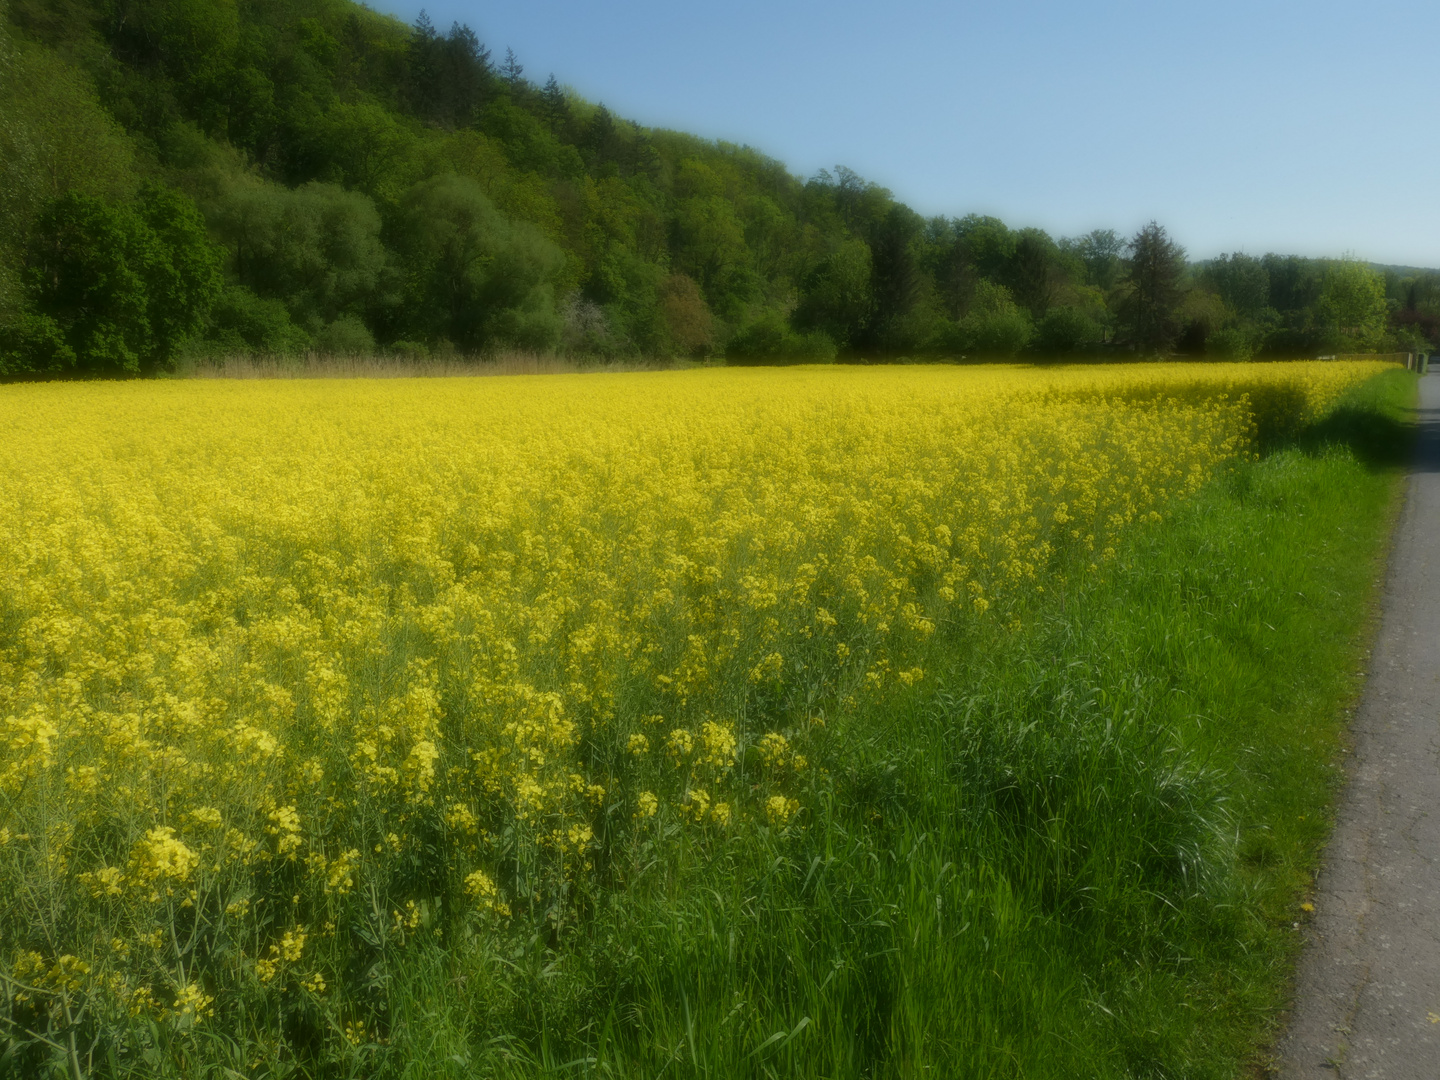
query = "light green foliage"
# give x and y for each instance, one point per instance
(769, 340)
(1230, 343)
(59, 136)
(531, 145)
(367, 147)
(1352, 299)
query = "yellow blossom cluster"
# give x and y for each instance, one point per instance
(266, 648)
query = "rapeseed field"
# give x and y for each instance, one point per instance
(305, 684)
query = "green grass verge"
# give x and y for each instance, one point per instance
(1085, 855)
(1080, 853)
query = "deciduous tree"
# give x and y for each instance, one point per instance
(1352, 299)
(123, 287)
(476, 278)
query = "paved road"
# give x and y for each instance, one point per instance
(1368, 995)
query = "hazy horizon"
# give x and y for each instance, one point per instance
(1273, 126)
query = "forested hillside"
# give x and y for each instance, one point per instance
(182, 178)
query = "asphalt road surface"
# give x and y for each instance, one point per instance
(1368, 993)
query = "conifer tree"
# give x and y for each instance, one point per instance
(513, 71)
(1154, 276)
(553, 103)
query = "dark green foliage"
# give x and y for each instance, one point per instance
(1101, 252)
(986, 245)
(474, 277)
(346, 336)
(896, 282)
(1036, 272)
(1242, 282)
(1415, 303)
(1285, 306)
(242, 322)
(33, 345)
(182, 278)
(316, 247)
(1065, 330)
(1154, 280)
(449, 75)
(553, 106)
(124, 286)
(1294, 282)
(84, 271)
(995, 327)
(688, 323)
(836, 297)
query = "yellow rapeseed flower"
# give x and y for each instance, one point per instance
(419, 618)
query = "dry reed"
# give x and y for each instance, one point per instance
(324, 366)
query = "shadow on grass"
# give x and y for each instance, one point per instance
(1382, 435)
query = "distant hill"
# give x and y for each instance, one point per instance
(1403, 271)
(362, 184)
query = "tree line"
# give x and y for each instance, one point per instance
(198, 177)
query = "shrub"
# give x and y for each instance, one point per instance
(1065, 330)
(244, 322)
(1231, 343)
(34, 345)
(771, 341)
(346, 336)
(995, 326)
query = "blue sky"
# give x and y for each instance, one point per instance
(1297, 127)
